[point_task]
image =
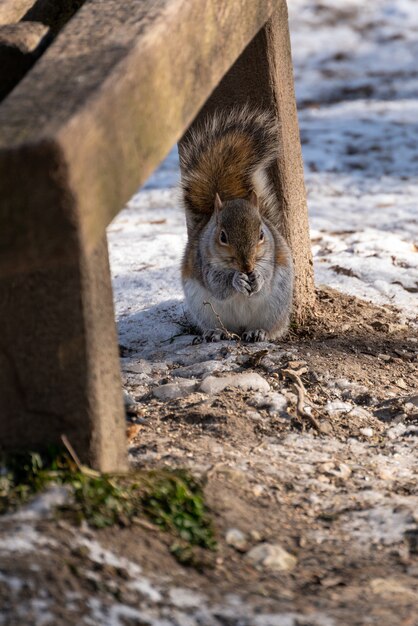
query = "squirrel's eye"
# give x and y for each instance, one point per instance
(222, 237)
(261, 235)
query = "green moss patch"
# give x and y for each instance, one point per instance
(171, 499)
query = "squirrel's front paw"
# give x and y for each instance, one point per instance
(253, 336)
(256, 281)
(214, 335)
(241, 283)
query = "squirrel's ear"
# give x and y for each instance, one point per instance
(253, 199)
(218, 203)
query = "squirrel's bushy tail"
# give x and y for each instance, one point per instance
(228, 154)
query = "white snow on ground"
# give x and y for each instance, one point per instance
(345, 49)
(357, 88)
(25, 538)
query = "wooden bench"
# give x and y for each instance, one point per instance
(96, 114)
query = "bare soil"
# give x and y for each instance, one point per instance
(343, 501)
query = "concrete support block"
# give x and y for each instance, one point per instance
(59, 362)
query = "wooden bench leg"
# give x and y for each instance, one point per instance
(59, 366)
(263, 77)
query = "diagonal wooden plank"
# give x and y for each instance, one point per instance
(13, 10)
(99, 111)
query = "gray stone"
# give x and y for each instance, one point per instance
(273, 401)
(237, 539)
(198, 369)
(247, 381)
(173, 391)
(367, 432)
(136, 366)
(271, 556)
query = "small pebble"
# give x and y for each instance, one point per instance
(172, 391)
(384, 357)
(255, 535)
(247, 381)
(272, 557)
(237, 539)
(337, 408)
(367, 432)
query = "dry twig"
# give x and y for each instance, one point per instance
(301, 393)
(73, 454)
(222, 327)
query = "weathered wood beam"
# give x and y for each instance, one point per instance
(13, 10)
(53, 13)
(20, 45)
(99, 111)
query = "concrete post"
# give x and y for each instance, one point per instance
(59, 366)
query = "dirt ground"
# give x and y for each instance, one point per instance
(333, 484)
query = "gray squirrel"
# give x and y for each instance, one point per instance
(235, 259)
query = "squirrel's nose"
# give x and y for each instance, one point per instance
(247, 268)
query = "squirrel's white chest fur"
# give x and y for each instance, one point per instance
(267, 310)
